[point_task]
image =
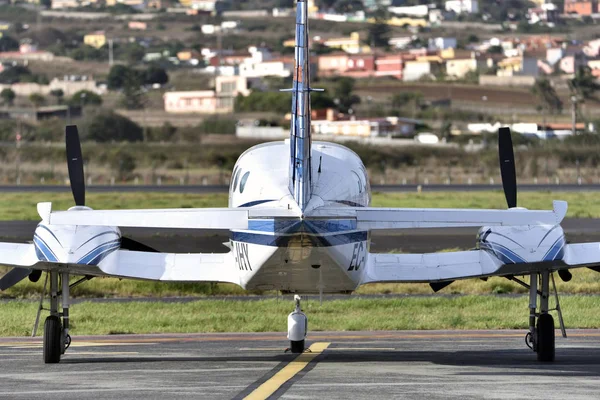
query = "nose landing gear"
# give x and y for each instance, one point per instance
(297, 328)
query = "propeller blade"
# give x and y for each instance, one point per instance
(437, 286)
(13, 277)
(134, 245)
(75, 164)
(507, 167)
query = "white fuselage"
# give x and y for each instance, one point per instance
(300, 256)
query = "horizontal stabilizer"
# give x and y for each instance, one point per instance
(405, 218)
(182, 218)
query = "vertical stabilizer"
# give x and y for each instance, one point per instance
(300, 142)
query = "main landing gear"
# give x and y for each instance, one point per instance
(297, 328)
(540, 337)
(56, 327)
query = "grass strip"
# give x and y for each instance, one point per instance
(22, 206)
(352, 314)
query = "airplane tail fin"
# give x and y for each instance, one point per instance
(300, 173)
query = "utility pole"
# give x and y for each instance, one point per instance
(110, 52)
(574, 114)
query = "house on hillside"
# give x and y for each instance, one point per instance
(571, 63)
(442, 43)
(462, 6)
(420, 68)
(518, 66)
(584, 8)
(197, 101)
(352, 44)
(459, 67)
(95, 39)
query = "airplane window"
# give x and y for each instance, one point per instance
(235, 179)
(235, 170)
(243, 181)
(358, 181)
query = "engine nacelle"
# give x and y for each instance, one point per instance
(523, 244)
(78, 244)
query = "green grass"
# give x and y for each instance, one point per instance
(22, 206)
(457, 312)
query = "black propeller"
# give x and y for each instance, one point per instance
(13, 277)
(75, 164)
(77, 178)
(507, 166)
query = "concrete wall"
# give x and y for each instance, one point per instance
(261, 132)
(492, 80)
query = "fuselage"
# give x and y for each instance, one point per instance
(300, 255)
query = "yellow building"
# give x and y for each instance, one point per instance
(460, 67)
(95, 39)
(312, 7)
(448, 53)
(410, 22)
(351, 45)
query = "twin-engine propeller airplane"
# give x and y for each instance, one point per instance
(299, 222)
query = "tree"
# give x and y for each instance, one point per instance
(7, 43)
(116, 76)
(133, 96)
(86, 98)
(348, 6)
(15, 74)
(584, 84)
(548, 100)
(134, 53)
(344, 94)
(37, 99)
(8, 96)
(405, 101)
(108, 126)
(59, 94)
(155, 74)
(125, 164)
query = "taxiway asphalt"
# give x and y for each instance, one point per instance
(343, 365)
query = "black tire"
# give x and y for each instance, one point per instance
(52, 333)
(297, 346)
(545, 338)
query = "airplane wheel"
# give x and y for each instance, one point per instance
(545, 338)
(52, 333)
(297, 346)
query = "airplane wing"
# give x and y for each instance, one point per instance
(440, 267)
(125, 264)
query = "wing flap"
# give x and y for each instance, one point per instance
(431, 267)
(582, 254)
(171, 267)
(18, 255)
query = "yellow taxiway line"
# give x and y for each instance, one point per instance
(288, 372)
